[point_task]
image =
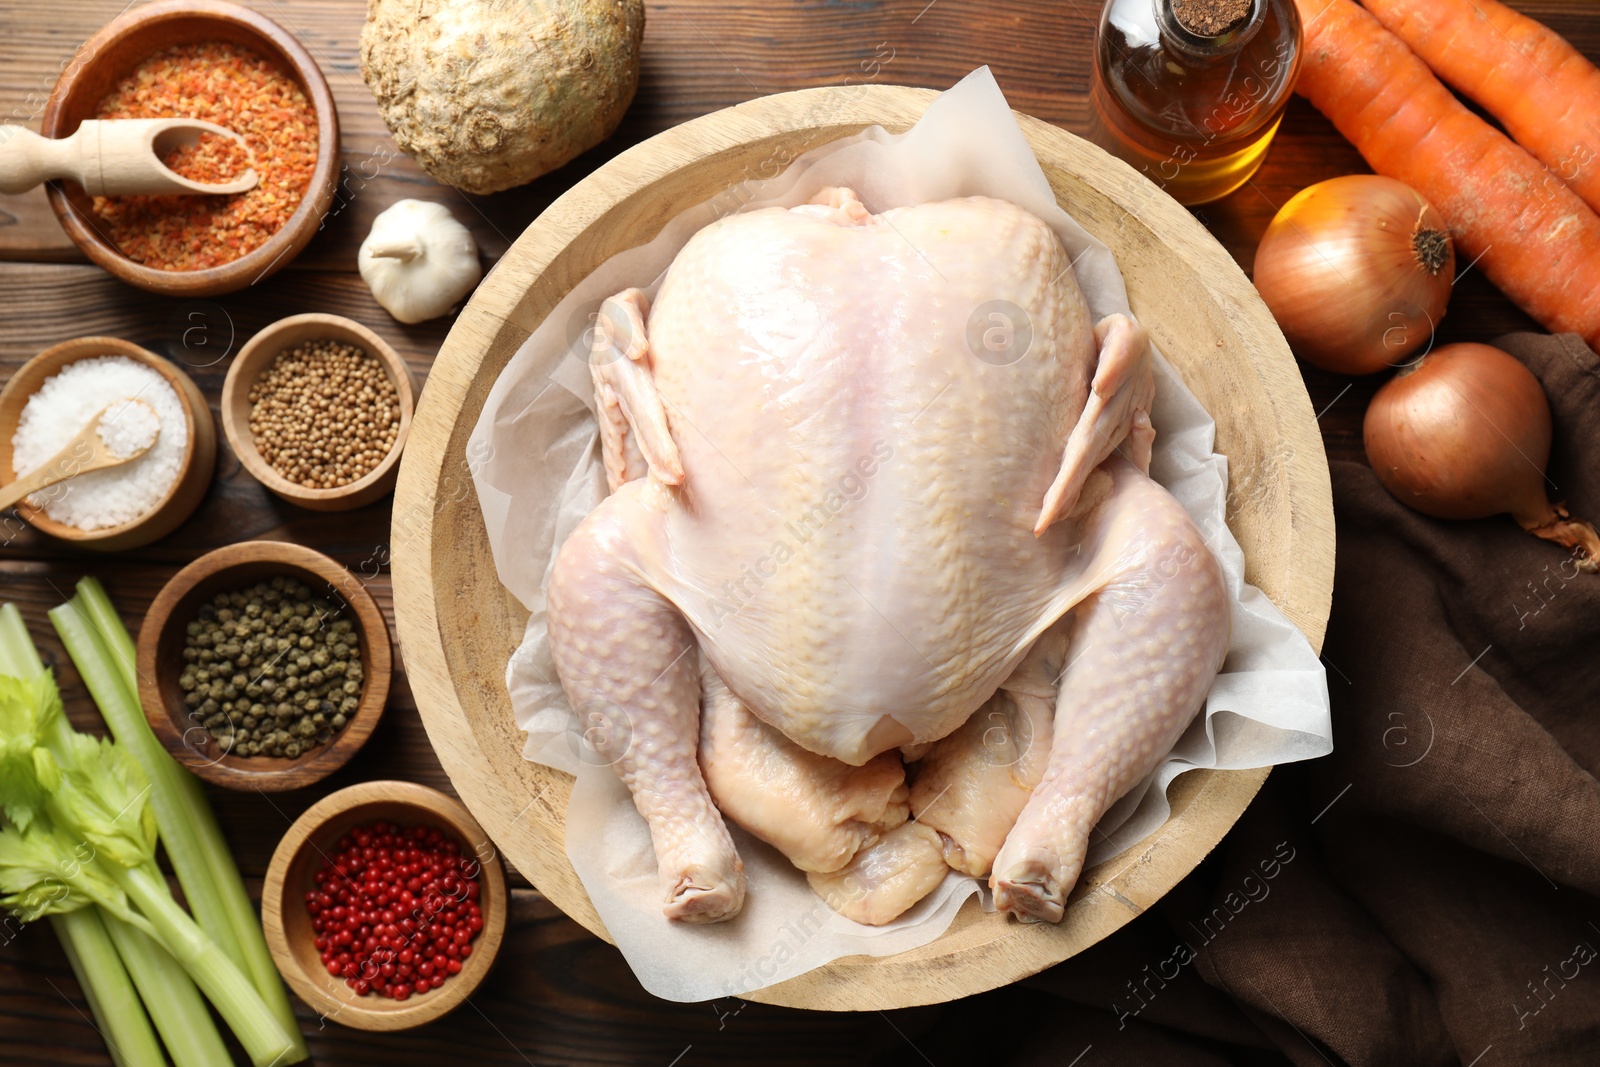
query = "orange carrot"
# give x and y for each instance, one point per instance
(1536, 240)
(1541, 89)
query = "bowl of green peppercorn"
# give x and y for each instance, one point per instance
(264, 665)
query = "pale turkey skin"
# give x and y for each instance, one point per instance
(862, 521)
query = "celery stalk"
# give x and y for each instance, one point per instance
(18, 657)
(191, 858)
(84, 937)
(264, 1040)
(200, 856)
(118, 1015)
(170, 996)
(108, 624)
(245, 926)
(122, 853)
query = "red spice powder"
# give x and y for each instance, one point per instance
(243, 91)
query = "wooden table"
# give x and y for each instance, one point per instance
(558, 995)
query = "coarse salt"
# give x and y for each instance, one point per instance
(66, 403)
(128, 427)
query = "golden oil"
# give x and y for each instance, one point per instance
(1193, 112)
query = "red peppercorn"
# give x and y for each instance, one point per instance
(395, 910)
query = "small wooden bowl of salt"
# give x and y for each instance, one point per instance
(57, 393)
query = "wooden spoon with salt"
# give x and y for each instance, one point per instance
(87, 451)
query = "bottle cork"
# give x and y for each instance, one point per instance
(1210, 18)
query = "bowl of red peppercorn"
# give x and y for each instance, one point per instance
(224, 63)
(384, 905)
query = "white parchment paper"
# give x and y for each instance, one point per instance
(538, 473)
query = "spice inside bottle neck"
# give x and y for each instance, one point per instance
(1209, 28)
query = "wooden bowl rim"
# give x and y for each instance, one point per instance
(235, 772)
(967, 959)
(194, 414)
(242, 441)
(495, 903)
(284, 244)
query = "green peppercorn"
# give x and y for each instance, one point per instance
(270, 669)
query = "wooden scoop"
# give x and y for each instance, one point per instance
(84, 453)
(110, 157)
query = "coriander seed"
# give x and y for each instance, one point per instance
(324, 414)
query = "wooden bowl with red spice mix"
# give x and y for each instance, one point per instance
(224, 63)
(384, 905)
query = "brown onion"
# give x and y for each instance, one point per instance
(1357, 271)
(1464, 433)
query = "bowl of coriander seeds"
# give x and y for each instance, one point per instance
(264, 665)
(317, 408)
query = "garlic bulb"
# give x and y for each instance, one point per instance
(418, 260)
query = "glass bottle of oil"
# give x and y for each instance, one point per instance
(1190, 92)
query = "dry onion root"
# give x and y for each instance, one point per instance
(1464, 433)
(1357, 270)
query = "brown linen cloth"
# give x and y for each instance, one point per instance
(1430, 892)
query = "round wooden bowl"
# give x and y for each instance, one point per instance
(459, 625)
(257, 355)
(160, 648)
(111, 55)
(199, 457)
(308, 845)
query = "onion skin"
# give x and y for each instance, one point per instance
(1357, 270)
(1464, 433)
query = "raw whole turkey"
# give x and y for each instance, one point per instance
(882, 576)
